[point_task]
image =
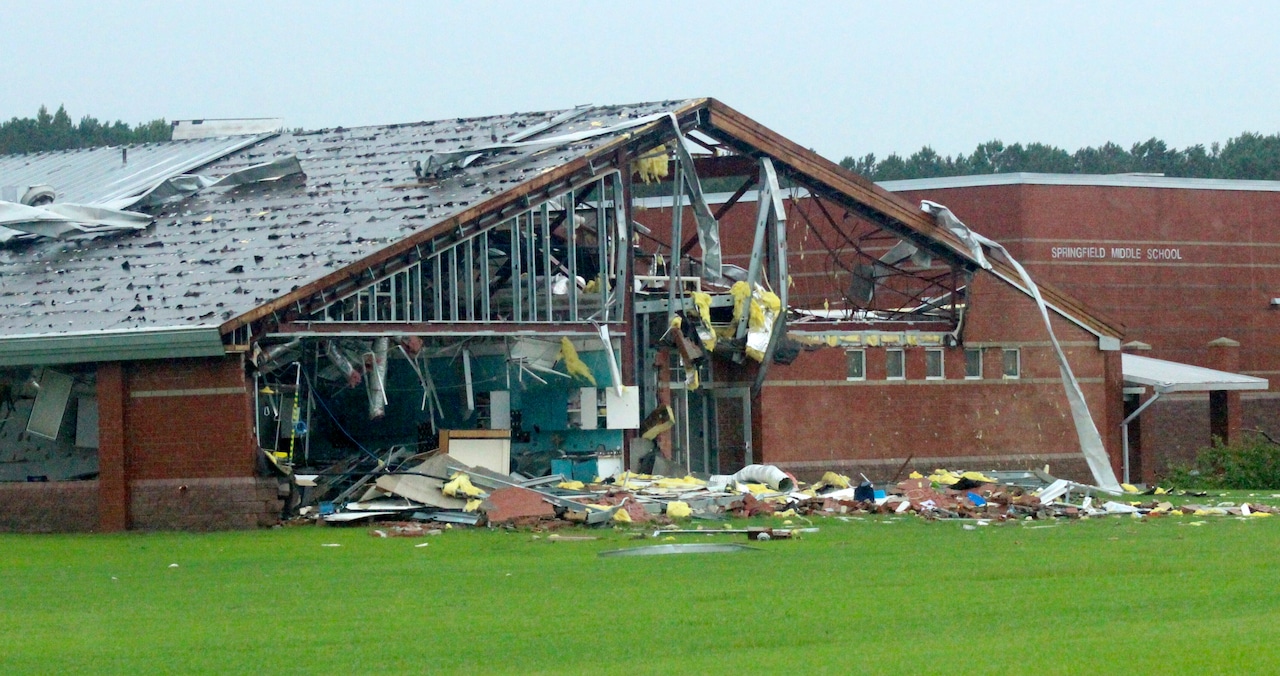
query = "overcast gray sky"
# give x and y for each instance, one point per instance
(841, 77)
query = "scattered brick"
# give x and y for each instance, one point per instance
(516, 506)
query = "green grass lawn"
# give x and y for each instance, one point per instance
(877, 595)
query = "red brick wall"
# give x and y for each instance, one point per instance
(54, 507)
(1228, 272)
(177, 451)
(113, 496)
(814, 419)
(1176, 428)
(189, 418)
(205, 504)
(809, 418)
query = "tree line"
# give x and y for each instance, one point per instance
(1247, 156)
(56, 131)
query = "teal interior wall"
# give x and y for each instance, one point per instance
(542, 407)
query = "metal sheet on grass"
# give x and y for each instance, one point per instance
(657, 550)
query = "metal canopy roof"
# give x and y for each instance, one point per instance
(1171, 376)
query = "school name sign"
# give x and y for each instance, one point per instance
(1123, 253)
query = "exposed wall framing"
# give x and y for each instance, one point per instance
(558, 260)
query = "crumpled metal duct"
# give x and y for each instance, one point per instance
(342, 363)
(766, 474)
(376, 365)
(274, 357)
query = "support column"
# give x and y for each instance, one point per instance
(113, 476)
(1224, 405)
(1139, 471)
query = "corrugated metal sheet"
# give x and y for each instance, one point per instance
(222, 253)
(198, 129)
(98, 175)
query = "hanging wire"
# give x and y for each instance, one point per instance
(336, 422)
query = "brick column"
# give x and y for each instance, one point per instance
(113, 476)
(1114, 409)
(1224, 405)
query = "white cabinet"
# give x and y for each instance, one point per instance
(622, 410)
(586, 415)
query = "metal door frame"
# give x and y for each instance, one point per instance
(744, 394)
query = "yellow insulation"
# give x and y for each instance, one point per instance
(677, 509)
(702, 301)
(762, 302)
(575, 366)
(740, 292)
(460, 486)
(688, 482)
(765, 306)
(833, 480)
(651, 166)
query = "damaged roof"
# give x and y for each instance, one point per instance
(222, 253)
(106, 174)
(226, 256)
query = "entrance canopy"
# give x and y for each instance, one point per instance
(1171, 376)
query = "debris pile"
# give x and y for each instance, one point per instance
(439, 490)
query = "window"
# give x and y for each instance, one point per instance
(933, 364)
(1012, 363)
(855, 365)
(894, 366)
(973, 363)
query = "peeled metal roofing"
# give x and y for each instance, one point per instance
(222, 253)
(1171, 376)
(98, 175)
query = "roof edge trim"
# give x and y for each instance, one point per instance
(111, 345)
(1094, 180)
